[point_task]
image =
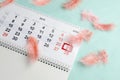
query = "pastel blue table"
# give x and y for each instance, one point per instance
(108, 11)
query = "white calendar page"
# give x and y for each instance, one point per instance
(18, 23)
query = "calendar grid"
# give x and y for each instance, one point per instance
(51, 34)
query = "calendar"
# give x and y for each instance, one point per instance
(17, 23)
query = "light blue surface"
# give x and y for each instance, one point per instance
(108, 11)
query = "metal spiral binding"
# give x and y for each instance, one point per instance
(54, 63)
(42, 59)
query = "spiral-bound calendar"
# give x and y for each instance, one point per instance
(17, 23)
